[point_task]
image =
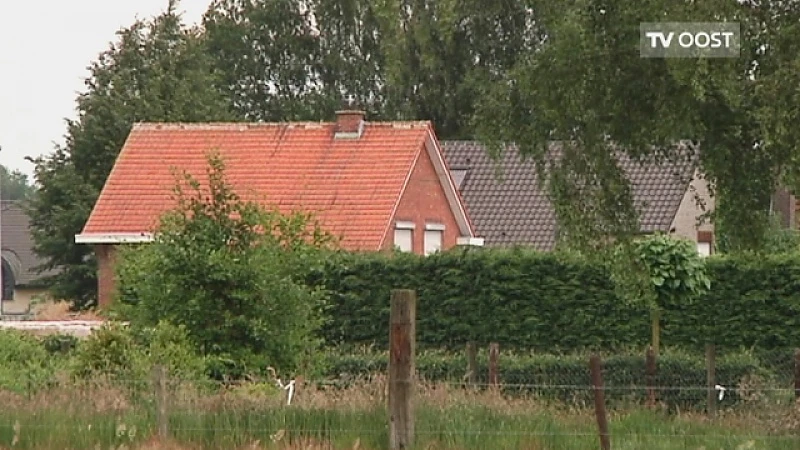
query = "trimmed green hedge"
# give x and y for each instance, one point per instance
(681, 375)
(549, 302)
(753, 302)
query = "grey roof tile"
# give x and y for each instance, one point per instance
(17, 244)
(512, 210)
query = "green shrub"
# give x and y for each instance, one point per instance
(169, 345)
(60, 343)
(223, 268)
(110, 352)
(119, 353)
(224, 368)
(25, 365)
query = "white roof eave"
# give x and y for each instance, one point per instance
(113, 238)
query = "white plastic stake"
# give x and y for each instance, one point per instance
(288, 387)
(721, 390)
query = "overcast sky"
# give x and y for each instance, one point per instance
(45, 47)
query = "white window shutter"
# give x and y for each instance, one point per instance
(704, 249)
(404, 239)
(433, 241)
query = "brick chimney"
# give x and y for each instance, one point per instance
(349, 124)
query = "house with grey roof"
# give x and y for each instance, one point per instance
(508, 207)
(21, 280)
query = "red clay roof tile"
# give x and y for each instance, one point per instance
(352, 185)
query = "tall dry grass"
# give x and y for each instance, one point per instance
(119, 416)
(60, 310)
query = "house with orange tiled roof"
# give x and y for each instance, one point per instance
(375, 185)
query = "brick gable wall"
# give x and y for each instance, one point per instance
(106, 276)
(424, 201)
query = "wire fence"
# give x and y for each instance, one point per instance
(755, 409)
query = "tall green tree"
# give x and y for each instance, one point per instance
(157, 70)
(14, 185)
(267, 51)
(397, 59)
(298, 60)
(588, 85)
(351, 59)
(439, 54)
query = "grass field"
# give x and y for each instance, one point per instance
(255, 417)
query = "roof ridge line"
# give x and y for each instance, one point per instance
(142, 126)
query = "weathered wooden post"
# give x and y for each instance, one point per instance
(160, 384)
(596, 369)
(797, 373)
(402, 343)
(711, 366)
(472, 363)
(650, 377)
(494, 354)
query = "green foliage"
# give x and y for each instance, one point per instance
(566, 377)
(223, 268)
(465, 422)
(587, 84)
(414, 60)
(224, 368)
(110, 352)
(158, 70)
(59, 344)
(26, 365)
(780, 239)
(170, 346)
(520, 298)
(59, 211)
(676, 271)
(267, 54)
(14, 185)
(664, 271)
(439, 54)
(528, 300)
(118, 353)
(754, 302)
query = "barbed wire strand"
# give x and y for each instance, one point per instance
(471, 432)
(433, 384)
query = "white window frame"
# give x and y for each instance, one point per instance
(704, 249)
(401, 228)
(705, 246)
(431, 230)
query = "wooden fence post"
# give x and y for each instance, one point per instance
(711, 366)
(402, 343)
(29, 386)
(596, 369)
(472, 363)
(650, 377)
(494, 354)
(160, 384)
(797, 373)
